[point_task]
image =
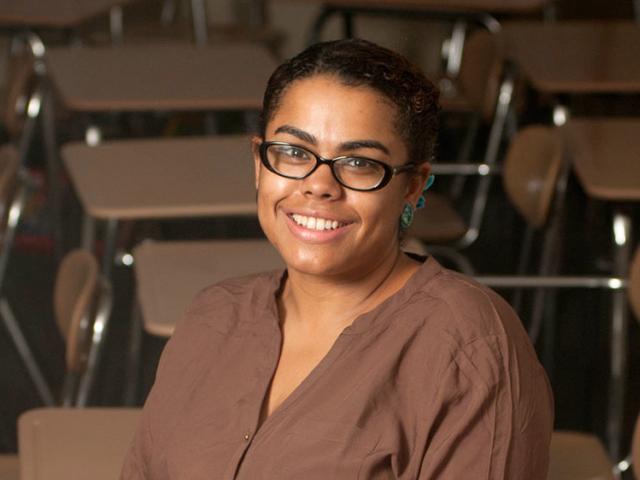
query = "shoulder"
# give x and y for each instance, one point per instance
(474, 331)
(486, 347)
(217, 312)
(220, 309)
(465, 310)
(231, 297)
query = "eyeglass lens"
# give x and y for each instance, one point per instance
(296, 162)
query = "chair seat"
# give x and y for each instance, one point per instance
(578, 456)
(437, 222)
(9, 467)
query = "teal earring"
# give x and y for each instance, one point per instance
(421, 200)
(406, 218)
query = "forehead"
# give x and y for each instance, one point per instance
(326, 103)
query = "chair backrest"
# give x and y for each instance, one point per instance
(75, 292)
(480, 71)
(578, 455)
(531, 169)
(64, 443)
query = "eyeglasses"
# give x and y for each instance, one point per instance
(357, 173)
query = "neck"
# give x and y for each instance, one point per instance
(321, 302)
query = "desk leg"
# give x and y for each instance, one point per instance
(252, 122)
(619, 333)
(116, 25)
(53, 171)
(199, 18)
(318, 25)
(88, 232)
(135, 352)
(109, 253)
(347, 24)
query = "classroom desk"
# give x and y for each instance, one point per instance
(170, 274)
(476, 11)
(63, 14)
(576, 57)
(158, 78)
(183, 177)
(52, 14)
(164, 77)
(494, 6)
(604, 154)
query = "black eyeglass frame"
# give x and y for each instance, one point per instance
(389, 171)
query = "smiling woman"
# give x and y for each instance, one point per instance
(357, 361)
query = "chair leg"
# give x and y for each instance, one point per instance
(455, 47)
(12, 326)
(619, 336)
(464, 155)
(523, 264)
(34, 107)
(544, 302)
(100, 325)
(503, 105)
(69, 389)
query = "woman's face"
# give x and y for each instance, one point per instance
(331, 119)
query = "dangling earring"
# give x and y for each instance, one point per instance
(406, 218)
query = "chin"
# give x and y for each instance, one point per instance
(313, 263)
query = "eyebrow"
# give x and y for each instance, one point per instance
(296, 132)
(350, 145)
(356, 144)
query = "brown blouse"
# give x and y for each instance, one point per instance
(437, 382)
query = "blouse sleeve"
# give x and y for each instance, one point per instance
(181, 360)
(492, 418)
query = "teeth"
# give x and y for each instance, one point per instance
(313, 223)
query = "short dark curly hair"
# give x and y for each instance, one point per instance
(357, 62)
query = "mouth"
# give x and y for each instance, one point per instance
(316, 223)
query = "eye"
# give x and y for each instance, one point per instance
(360, 164)
(293, 152)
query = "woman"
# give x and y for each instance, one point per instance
(358, 361)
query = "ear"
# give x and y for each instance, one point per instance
(256, 141)
(416, 182)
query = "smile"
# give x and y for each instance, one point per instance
(316, 223)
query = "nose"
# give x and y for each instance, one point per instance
(322, 184)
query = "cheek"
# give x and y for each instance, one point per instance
(384, 213)
(272, 189)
